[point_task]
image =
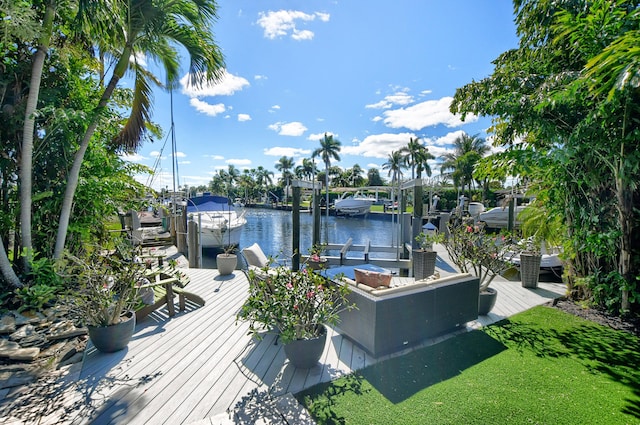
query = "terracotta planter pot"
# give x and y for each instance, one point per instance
(305, 353)
(109, 339)
(487, 301)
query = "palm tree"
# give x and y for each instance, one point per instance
(143, 27)
(416, 156)
(263, 177)
(307, 169)
(329, 148)
(395, 164)
(285, 165)
(467, 151)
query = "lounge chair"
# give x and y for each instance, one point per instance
(166, 283)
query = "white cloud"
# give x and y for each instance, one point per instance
(398, 98)
(207, 108)
(294, 128)
(302, 35)
(184, 162)
(320, 136)
(238, 162)
(226, 86)
(260, 77)
(285, 22)
(244, 117)
(286, 151)
(378, 145)
(425, 114)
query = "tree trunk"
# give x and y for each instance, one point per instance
(74, 173)
(8, 274)
(625, 214)
(26, 156)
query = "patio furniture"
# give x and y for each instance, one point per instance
(166, 283)
(391, 319)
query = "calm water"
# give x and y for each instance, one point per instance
(272, 230)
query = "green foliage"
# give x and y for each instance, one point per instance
(427, 239)
(566, 108)
(295, 303)
(473, 251)
(42, 286)
(103, 285)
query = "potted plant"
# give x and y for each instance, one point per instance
(103, 294)
(539, 228)
(316, 261)
(227, 260)
(424, 257)
(473, 251)
(296, 304)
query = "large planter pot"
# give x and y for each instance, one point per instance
(109, 339)
(226, 263)
(305, 353)
(424, 263)
(486, 301)
(530, 270)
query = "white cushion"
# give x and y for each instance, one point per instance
(255, 256)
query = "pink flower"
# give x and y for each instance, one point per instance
(289, 285)
(310, 294)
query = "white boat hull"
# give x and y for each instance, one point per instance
(215, 237)
(219, 225)
(353, 205)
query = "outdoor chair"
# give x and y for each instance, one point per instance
(166, 282)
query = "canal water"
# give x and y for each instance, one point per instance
(273, 229)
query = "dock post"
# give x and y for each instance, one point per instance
(181, 232)
(295, 263)
(192, 231)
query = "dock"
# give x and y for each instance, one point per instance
(200, 366)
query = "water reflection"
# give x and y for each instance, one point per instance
(273, 229)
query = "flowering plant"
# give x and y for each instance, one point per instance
(295, 303)
(102, 287)
(472, 250)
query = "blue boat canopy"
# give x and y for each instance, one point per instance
(208, 203)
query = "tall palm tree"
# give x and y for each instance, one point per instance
(26, 159)
(395, 163)
(154, 28)
(285, 165)
(461, 162)
(263, 177)
(329, 148)
(307, 169)
(416, 156)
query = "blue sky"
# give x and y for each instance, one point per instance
(371, 73)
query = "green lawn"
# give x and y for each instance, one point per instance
(542, 366)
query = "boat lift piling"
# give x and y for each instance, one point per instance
(409, 228)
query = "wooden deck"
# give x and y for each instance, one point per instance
(201, 363)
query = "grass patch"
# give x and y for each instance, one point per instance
(541, 366)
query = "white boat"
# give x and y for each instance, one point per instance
(221, 224)
(550, 262)
(498, 217)
(354, 204)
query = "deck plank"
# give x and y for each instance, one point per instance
(201, 363)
